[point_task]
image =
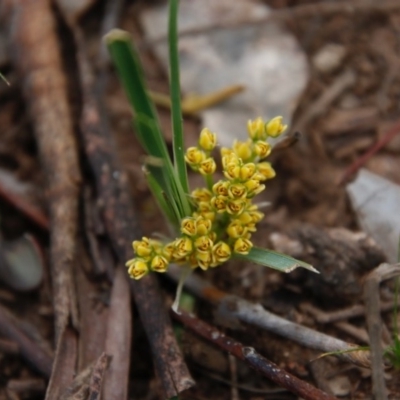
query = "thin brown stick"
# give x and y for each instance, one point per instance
(9, 346)
(27, 385)
(357, 310)
(354, 167)
(29, 210)
(35, 356)
(327, 97)
(236, 310)
(251, 358)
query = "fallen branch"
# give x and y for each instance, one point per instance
(236, 310)
(252, 358)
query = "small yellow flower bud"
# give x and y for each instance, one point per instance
(168, 250)
(203, 226)
(236, 207)
(232, 171)
(221, 188)
(219, 203)
(205, 210)
(137, 268)
(203, 243)
(204, 259)
(183, 247)
(207, 140)
(242, 149)
(274, 127)
(253, 187)
(256, 129)
(159, 264)
(262, 149)
(142, 248)
(201, 194)
(188, 226)
(207, 167)
(194, 156)
(247, 171)
(245, 218)
(236, 229)
(255, 215)
(221, 252)
(192, 261)
(229, 157)
(264, 171)
(237, 191)
(242, 246)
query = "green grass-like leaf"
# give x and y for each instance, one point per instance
(176, 109)
(147, 127)
(131, 74)
(275, 260)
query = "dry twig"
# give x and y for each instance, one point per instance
(353, 168)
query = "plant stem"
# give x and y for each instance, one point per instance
(209, 181)
(186, 270)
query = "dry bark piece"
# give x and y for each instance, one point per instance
(87, 384)
(97, 377)
(339, 122)
(94, 315)
(64, 364)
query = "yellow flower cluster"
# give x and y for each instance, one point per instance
(224, 216)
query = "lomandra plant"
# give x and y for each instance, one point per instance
(211, 224)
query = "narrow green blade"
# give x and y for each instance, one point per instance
(177, 128)
(275, 260)
(131, 74)
(159, 195)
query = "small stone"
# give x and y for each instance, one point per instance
(329, 57)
